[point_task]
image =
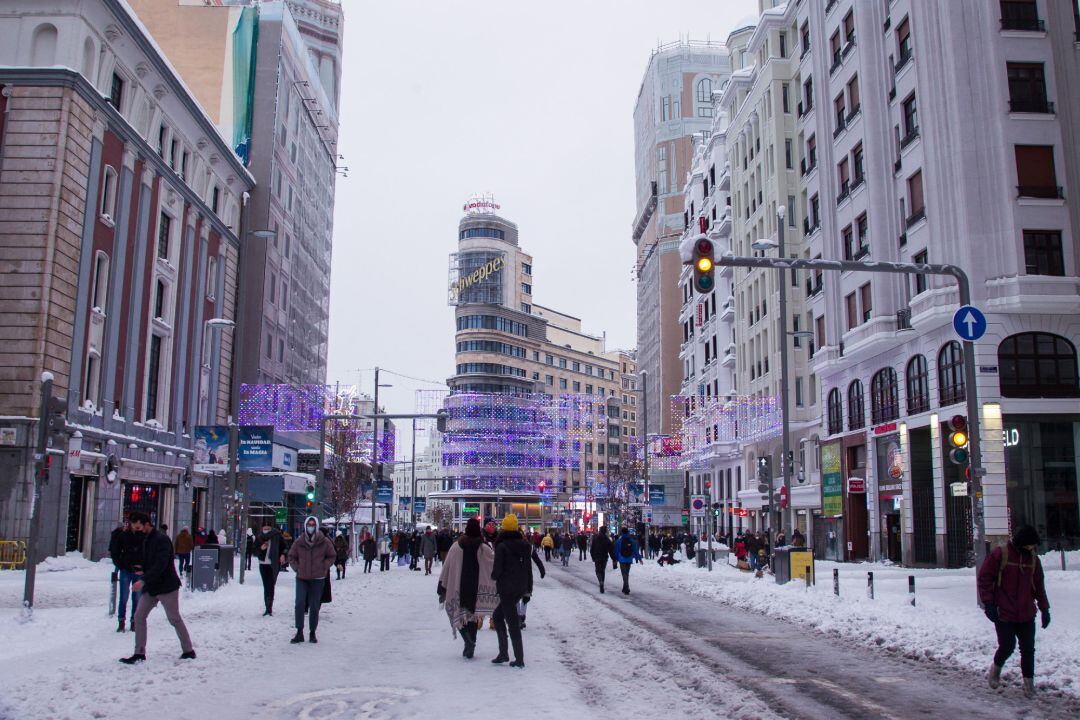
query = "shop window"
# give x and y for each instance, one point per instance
(1037, 364)
(951, 374)
(856, 406)
(884, 402)
(918, 385)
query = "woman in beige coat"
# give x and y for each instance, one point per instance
(466, 589)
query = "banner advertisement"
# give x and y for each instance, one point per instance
(421, 505)
(832, 487)
(384, 491)
(256, 448)
(656, 494)
(211, 452)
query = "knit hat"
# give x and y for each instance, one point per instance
(510, 523)
(1025, 535)
(472, 528)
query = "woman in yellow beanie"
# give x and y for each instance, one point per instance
(512, 573)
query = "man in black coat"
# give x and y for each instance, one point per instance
(270, 550)
(512, 573)
(125, 549)
(159, 583)
(582, 545)
(601, 551)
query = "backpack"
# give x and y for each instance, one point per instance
(626, 547)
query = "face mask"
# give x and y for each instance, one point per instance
(310, 529)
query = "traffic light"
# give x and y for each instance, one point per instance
(716, 509)
(764, 473)
(703, 266)
(440, 420)
(57, 421)
(958, 440)
(310, 496)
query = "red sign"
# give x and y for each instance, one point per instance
(783, 498)
(886, 428)
(856, 485)
(741, 512)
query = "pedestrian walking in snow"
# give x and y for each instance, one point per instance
(341, 547)
(368, 550)
(429, 548)
(182, 546)
(548, 543)
(512, 572)
(415, 541)
(601, 551)
(523, 606)
(270, 551)
(310, 557)
(626, 552)
(384, 553)
(567, 548)
(125, 549)
(158, 583)
(1011, 586)
(443, 541)
(466, 588)
(249, 548)
(582, 545)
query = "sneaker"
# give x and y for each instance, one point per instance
(1029, 687)
(189, 655)
(500, 659)
(312, 638)
(136, 658)
(993, 678)
(298, 637)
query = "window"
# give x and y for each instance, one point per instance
(856, 406)
(108, 193)
(526, 269)
(562, 363)
(704, 90)
(839, 112)
(1027, 88)
(99, 294)
(804, 34)
(1042, 252)
(783, 45)
(1020, 15)
(915, 199)
(853, 95)
(562, 383)
(857, 166)
(788, 162)
(834, 49)
(867, 302)
(808, 94)
(184, 165)
(162, 132)
(863, 226)
(116, 91)
(211, 278)
(491, 322)
(911, 121)
(845, 179)
(798, 392)
(153, 377)
(819, 331)
(526, 308)
(884, 403)
(215, 199)
(164, 229)
(284, 295)
(661, 169)
(835, 413)
(918, 385)
(269, 347)
(920, 258)
(903, 43)
(549, 380)
(1035, 364)
(482, 232)
(288, 244)
(951, 374)
(549, 360)
(852, 306)
(849, 243)
(159, 300)
(1035, 173)
(174, 153)
(849, 28)
(526, 289)
(273, 289)
(577, 386)
(281, 350)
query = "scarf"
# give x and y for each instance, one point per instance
(454, 579)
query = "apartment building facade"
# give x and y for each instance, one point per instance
(120, 249)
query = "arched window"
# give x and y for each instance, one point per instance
(950, 371)
(855, 406)
(704, 90)
(43, 46)
(836, 422)
(918, 386)
(1035, 364)
(884, 403)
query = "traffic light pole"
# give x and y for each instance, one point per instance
(645, 429)
(895, 268)
(41, 466)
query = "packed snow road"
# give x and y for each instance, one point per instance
(801, 673)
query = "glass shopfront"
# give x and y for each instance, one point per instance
(890, 492)
(1041, 476)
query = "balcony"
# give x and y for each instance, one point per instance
(841, 126)
(903, 319)
(911, 136)
(813, 288)
(1046, 192)
(902, 62)
(727, 312)
(1042, 107)
(859, 180)
(805, 169)
(838, 60)
(854, 111)
(830, 5)
(888, 24)
(845, 192)
(849, 46)
(805, 50)
(1026, 24)
(915, 217)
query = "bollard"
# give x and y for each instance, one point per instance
(911, 589)
(836, 582)
(806, 577)
(1062, 550)
(870, 585)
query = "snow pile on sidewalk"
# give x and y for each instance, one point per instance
(946, 624)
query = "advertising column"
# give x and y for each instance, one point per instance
(832, 502)
(890, 494)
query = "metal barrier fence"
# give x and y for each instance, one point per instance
(12, 554)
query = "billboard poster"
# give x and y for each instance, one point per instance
(832, 488)
(403, 503)
(211, 453)
(637, 493)
(656, 494)
(421, 505)
(256, 448)
(384, 491)
(890, 467)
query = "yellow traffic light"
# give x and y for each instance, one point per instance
(958, 438)
(704, 264)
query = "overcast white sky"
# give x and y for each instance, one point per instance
(531, 100)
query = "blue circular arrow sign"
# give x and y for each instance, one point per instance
(969, 323)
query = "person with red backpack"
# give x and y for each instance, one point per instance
(626, 553)
(1011, 585)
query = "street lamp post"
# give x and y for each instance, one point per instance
(645, 433)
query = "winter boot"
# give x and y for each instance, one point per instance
(142, 658)
(469, 633)
(298, 637)
(501, 658)
(993, 678)
(1029, 687)
(601, 588)
(120, 627)
(189, 655)
(312, 638)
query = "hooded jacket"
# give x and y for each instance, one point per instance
(602, 548)
(1012, 579)
(428, 545)
(184, 542)
(311, 556)
(634, 553)
(512, 570)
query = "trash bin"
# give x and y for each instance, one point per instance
(702, 557)
(793, 563)
(226, 557)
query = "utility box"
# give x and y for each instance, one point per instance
(793, 563)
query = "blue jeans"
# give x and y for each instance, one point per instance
(185, 562)
(308, 600)
(126, 578)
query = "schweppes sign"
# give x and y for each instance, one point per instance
(476, 276)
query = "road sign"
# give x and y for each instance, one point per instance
(698, 504)
(969, 323)
(281, 515)
(959, 489)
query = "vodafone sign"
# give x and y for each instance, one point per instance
(481, 206)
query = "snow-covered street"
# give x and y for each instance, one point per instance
(386, 651)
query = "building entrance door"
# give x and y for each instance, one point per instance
(892, 540)
(78, 489)
(142, 498)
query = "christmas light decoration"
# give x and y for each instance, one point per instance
(288, 408)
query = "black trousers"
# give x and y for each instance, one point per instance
(384, 562)
(625, 569)
(581, 553)
(547, 554)
(268, 573)
(601, 570)
(506, 615)
(308, 601)
(1008, 633)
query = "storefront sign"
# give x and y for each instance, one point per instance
(959, 489)
(700, 315)
(885, 429)
(832, 496)
(470, 510)
(481, 206)
(856, 486)
(988, 369)
(256, 448)
(1010, 437)
(741, 512)
(211, 452)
